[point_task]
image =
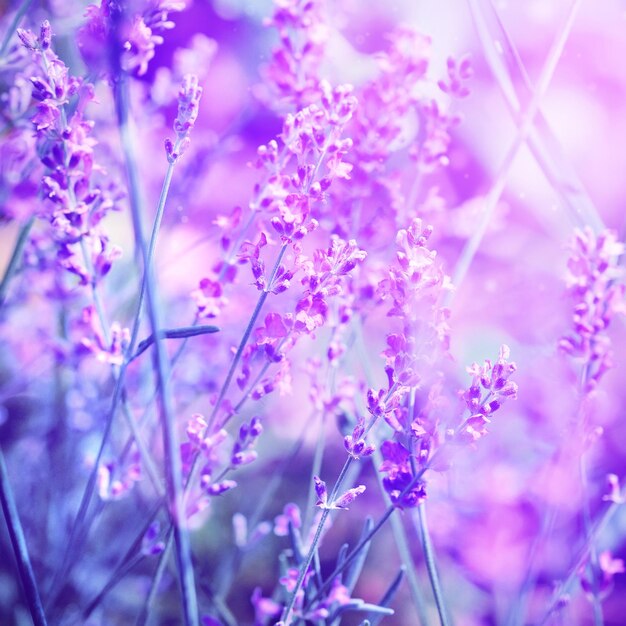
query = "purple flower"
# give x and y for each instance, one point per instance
(188, 106)
(290, 515)
(615, 493)
(218, 488)
(293, 72)
(242, 452)
(151, 545)
(355, 444)
(489, 389)
(264, 608)
(138, 33)
(399, 483)
(458, 74)
(608, 567)
(341, 502)
(593, 273)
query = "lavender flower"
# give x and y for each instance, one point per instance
(399, 483)
(489, 389)
(139, 27)
(293, 71)
(355, 443)
(188, 103)
(75, 204)
(338, 503)
(593, 274)
(318, 218)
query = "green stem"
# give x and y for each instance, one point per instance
(526, 124)
(16, 255)
(117, 392)
(19, 14)
(170, 439)
(20, 549)
(156, 580)
(286, 616)
(583, 555)
(598, 619)
(236, 358)
(400, 537)
(125, 564)
(431, 565)
(246, 336)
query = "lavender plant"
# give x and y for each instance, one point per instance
(238, 384)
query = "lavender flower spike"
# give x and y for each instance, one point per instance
(341, 502)
(188, 107)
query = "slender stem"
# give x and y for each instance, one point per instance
(400, 537)
(119, 381)
(228, 568)
(16, 255)
(160, 569)
(431, 565)
(596, 602)
(167, 181)
(20, 549)
(355, 552)
(583, 555)
(170, 439)
(113, 581)
(19, 14)
(266, 497)
(517, 611)
(97, 300)
(316, 468)
(501, 55)
(125, 564)
(397, 527)
(286, 616)
(526, 124)
(233, 366)
(115, 400)
(143, 451)
(379, 524)
(246, 336)
(158, 574)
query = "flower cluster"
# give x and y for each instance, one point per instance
(324, 279)
(207, 448)
(18, 157)
(294, 185)
(75, 203)
(458, 74)
(138, 26)
(243, 453)
(341, 502)
(593, 281)
(415, 287)
(355, 443)
(313, 137)
(608, 566)
(489, 389)
(388, 118)
(294, 68)
(117, 478)
(108, 347)
(404, 490)
(188, 103)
